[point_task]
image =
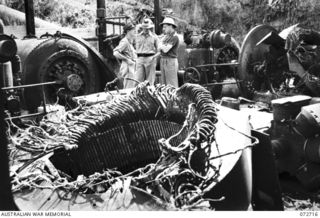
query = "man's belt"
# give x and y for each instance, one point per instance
(145, 55)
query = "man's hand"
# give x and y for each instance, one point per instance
(154, 57)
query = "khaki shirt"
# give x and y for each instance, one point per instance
(147, 43)
(126, 49)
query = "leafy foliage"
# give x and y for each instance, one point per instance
(239, 16)
(207, 14)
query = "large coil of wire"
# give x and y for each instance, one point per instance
(124, 134)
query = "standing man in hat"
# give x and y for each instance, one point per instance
(169, 53)
(147, 46)
(126, 53)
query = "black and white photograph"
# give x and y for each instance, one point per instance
(174, 107)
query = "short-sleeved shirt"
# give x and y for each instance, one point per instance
(147, 43)
(126, 49)
(173, 40)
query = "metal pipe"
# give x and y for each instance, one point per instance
(117, 17)
(30, 24)
(31, 85)
(26, 116)
(44, 99)
(218, 65)
(102, 27)
(222, 83)
(157, 16)
(101, 4)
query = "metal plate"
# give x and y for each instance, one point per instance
(284, 33)
(266, 193)
(250, 53)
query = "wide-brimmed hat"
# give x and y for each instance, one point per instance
(170, 21)
(128, 27)
(147, 24)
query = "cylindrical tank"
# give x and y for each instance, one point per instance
(56, 58)
(8, 50)
(6, 73)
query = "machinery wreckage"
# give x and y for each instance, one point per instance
(159, 147)
(117, 148)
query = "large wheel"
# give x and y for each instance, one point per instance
(192, 75)
(250, 54)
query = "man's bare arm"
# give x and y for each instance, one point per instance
(165, 48)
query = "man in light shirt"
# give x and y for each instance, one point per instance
(147, 47)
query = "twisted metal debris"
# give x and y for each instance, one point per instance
(182, 174)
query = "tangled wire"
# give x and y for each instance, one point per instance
(181, 177)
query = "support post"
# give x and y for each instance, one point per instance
(157, 16)
(30, 24)
(102, 26)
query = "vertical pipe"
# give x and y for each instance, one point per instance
(44, 100)
(16, 70)
(30, 25)
(157, 16)
(1, 27)
(102, 28)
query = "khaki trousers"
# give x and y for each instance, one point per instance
(127, 72)
(169, 71)
(146, 69)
